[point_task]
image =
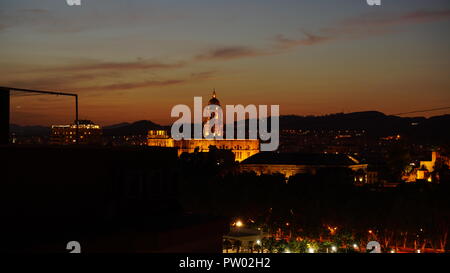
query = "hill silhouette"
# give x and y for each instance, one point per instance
(376, 124)
(136, 128)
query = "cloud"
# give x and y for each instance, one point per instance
(203, 75)
(134, 85)
(79, 75)
(229, 53)
(310, 39)
(366, 25)
(194, 77)
(61, 82)
(74, 83)
(119, 66)
(92, 76)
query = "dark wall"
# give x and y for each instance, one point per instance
(50, 195)
(4, 116)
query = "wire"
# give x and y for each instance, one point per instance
(421, 111)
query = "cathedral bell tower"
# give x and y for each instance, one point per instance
(217, 128)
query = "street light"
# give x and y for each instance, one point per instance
(333, 248)
(239, 223)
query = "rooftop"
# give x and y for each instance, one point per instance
(300, 159)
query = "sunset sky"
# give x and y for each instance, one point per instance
(136, 59)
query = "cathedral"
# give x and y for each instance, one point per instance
(242, 148)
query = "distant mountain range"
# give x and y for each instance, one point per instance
(136, 128)
(375, 123)
(29, 130)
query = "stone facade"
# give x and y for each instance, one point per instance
(242, 148)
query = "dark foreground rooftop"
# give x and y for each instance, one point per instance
(108, 199)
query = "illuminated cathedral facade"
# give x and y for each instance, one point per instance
(242, 148)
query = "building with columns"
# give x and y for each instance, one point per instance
(242, 148)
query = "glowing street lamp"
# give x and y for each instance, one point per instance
(333, 248)
(239, 223)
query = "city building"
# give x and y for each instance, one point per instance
(242, 239)
(242, 148)
(88, 133)
(290, 164)
(424, 169)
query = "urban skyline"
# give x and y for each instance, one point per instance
(224, 126)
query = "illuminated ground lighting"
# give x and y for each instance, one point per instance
(310, 250)
(333, 248)
(418, 251)
(355, 246)
(287, 251)
(258, 242)
(392, 251)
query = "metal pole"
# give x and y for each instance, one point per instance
(76, 118)
(4, 109)
(38, 91)
(4, 116)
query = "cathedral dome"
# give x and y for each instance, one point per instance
(214, 100)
